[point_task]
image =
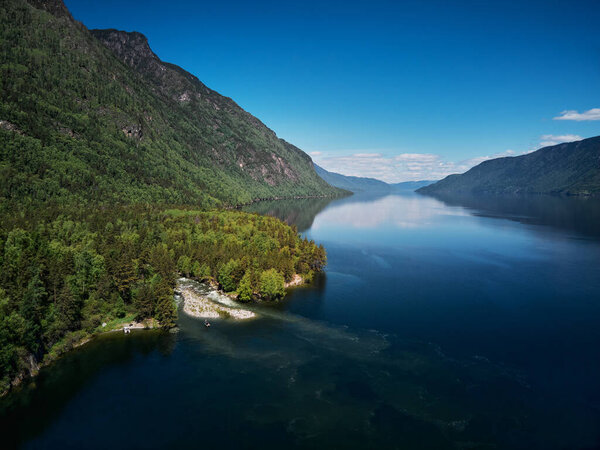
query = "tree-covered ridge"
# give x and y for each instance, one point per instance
(63, 276)
(571, 168)
(79, 124)
(82, 132)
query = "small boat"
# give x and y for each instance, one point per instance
(206, 323)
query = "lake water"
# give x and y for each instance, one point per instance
(439, 323)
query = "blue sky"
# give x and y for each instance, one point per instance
(396, 90)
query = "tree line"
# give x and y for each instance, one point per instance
(66, 271)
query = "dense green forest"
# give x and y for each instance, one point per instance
(90, 136)
(65, 273)
(79, 124)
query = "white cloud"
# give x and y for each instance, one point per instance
(402, 167)
(416, 166)
(591, 114)
(367, 155)
(552, 139)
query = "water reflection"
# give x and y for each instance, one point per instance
(299, 212)
(441, 324)
(411, 210)
(401, 211)
(578, 214)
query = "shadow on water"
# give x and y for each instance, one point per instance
(299, 212)
(29, 410)
(577, 214)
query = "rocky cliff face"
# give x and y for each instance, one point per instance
(269, 163)
(54, 7)
(133, 49)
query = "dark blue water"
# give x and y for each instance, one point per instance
(454, 323)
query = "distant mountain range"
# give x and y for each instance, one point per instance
(570, 169)
(371, 185)
(97, 116)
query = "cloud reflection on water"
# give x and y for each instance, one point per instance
(401, 211)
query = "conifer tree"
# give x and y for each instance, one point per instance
(166, 313)
(245, 290)
(272, 284)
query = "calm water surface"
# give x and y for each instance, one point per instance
(439, 323)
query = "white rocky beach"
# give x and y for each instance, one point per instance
(202, 302)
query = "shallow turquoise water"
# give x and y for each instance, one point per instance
(462, 323)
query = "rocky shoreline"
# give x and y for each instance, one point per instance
(208, 307)
(208, 301)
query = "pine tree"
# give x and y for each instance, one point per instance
(31, 310)
(184, 265)
(69, 308)
(124, 277)
(166, 312)
(272, 284)
(245, 290)
(145, 301)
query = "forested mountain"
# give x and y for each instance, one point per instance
(99, 117)
(371, 185)
(352, 184)
(410, 185)
(97, 138)
(572, 169)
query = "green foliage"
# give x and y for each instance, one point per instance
(245, 288)
(86, 144)
(12, 332)
(229, 275)
(119, 305)
(184, 265)
(202, 272)
(68, 269)
(94, 129)
(285, 263)
(272, 284)
(166, 313)
(145, 300)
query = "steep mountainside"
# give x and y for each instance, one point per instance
(99, 117)
(572, 169)
(352, 184)
(410, 185)
(363, 184)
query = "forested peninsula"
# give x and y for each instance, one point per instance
(62, 277)
(118, 173)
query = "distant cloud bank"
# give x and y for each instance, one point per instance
(428, 166)
(416, 166)
(591, 114)
(398, 168)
